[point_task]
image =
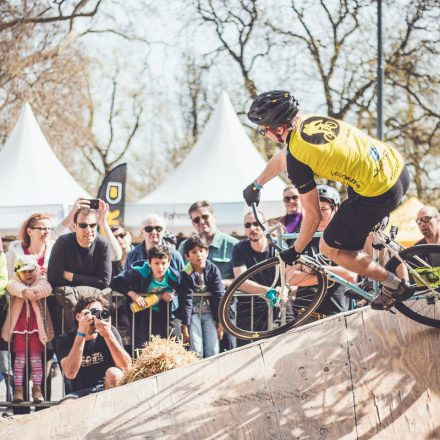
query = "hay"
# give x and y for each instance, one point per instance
(157, 356)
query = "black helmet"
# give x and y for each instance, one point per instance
(329, 194)
(274, 108)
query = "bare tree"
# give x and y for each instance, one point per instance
(234, 25)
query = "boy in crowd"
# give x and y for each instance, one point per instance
(151, 285)
(202, 276)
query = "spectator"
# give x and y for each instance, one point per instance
(27, 319)
(35, 237)
(80, 263)
(219, 245)
(203, 277)
(5, 368)
(428, 220)
(153, 231)
(335, 301)
(246, 254)
(292, 219)
(124, 241)
(152, 285)
(92, 355)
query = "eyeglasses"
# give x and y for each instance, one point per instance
(120, 235)
(85, 225)
(151, 228)
(287, 199)
(249, 224)
(196, 220)
(42, 228)
(425, 219)
(262, 130)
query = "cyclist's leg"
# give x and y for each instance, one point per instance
(346, 234)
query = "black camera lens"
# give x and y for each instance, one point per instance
(103, 314)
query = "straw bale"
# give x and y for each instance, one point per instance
(157, 356)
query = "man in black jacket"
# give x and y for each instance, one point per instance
(80, 263)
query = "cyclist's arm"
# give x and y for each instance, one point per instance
(311, 218)
(249, 286)
(274, 167)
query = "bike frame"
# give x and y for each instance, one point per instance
(380, 241)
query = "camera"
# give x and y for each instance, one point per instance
(103, 314)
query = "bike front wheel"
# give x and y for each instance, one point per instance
(251, 316)
(423, 259)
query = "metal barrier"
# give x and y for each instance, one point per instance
(116, 299)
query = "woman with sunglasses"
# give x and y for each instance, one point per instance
(292, 219)
(153, 231)
(36, 237)
(124, 240)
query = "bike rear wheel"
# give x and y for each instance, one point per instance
(424, 306)
(249, 316)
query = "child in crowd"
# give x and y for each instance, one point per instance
(4, 359)
(28, 318)
(203, 277)
(152, 286)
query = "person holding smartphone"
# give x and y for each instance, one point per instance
(80, 262)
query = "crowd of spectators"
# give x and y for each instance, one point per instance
(62, 283)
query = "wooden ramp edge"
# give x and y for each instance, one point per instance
(359, 375)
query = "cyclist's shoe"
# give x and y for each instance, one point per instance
(390, 297)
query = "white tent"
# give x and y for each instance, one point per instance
(32, 179)
(221, 164)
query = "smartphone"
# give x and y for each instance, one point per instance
(94, 203)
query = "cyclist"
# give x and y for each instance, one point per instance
(374, 172)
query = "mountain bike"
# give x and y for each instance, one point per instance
(262, 303)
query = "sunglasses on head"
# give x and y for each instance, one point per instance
(425, 219)
(249, 224)
(196, 220)
(151, 228)
(289, 198)
(120, 235)
(85, 225)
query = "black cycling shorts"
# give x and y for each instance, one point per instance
(357, 215)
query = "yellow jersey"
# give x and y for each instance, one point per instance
(338, 151)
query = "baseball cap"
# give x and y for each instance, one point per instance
(25, 262)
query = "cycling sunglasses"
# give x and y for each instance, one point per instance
(425, 219)
(249, 224)
(85, 225)
(151, 228)
(287, 199)
(196, 220)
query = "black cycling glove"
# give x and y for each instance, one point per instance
(251, 194)
(289, 256)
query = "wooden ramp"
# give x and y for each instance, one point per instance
(361, 375)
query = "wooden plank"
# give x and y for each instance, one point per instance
(395, 376)
(124, 411)
(223, 398)
(310, 382)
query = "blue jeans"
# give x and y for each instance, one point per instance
(203, 335)
(84, 392)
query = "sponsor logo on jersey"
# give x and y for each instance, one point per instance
(374, 153)
(348, 180)
(319, 130)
